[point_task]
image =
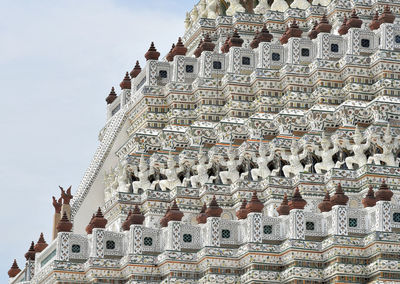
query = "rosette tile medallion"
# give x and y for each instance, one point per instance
(263, 148)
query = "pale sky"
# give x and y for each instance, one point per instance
(58, 62)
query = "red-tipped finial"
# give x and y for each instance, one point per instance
(384, 193)
(255, 205)
(325, 205)
(213, 209)
(152, 53)
(170, 55)
(126, 82)
(99, 222)
(235, 40)
(14, 270)
(207, 44)
(180, 48)
(375, 23)
(354, 21)
(369, 200)
(324, 26)
(111, 97)
(344, 29)
(174, 214)
(387, 16)
(339, 198)
(284, 208)
(136, 70)
(201, 218)
(30, 254)
(242, 212)
(64, 225)
(89, 227)
(297, 201)
(164, 220)
(41, 244)
(137, 217)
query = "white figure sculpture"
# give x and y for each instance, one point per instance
(171, 172)
(300, 4)
(143, 175)
(194, 15)
(263, 171)
(321, 2)
(359, 157)
(388, 147)
(326, 154)
(202, 175)
(202, 9)
(262, 7)
(294, 159)
(232, 173)
(107, 186)
(212, 9)
(279, 5)
(247, 158)
(235, 7)
(187, 21)
(122, 176)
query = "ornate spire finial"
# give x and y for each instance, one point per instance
(137, 217)
(30, 255)
(89, 227)
(164, 220)
(213, 209)
(198, 51)
(384, 193)
(369, 200)
(387, 16)
(41, 244)
(126, 82)
(325, 205)
(180, 48)
(297, 201)
(375, 23)
(354, 21)
(152, 53)
(64, 225)
(170, 55)
(174, 214)
(126, 224)
(207, 44)
(235, 40)
(284, 208)
(339, 198)
(14, 270)
(66, 195)
(242, 212)
(136, 70)
(255, 205)
(202, 216)
(324, 26)
(99, 222)
(343, 29)
(313, 33)
(111, 97)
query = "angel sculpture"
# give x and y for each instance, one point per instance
(294, 159)
(232, 173)
(171, 172)
(234, 8)
(279, 5)
(202, 171)
(143, 175)
(358, 149)
(388, 147)
(263, 171)
(300, 4)
(122, 176)
(326, 155)
(262, 7)
(212, 9)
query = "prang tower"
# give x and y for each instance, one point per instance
(263, 148)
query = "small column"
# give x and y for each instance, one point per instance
(339, 212)
(174, 236)
(98, 224)
(383, 208)
(297, 223)
(339, 220)
(30, 263)
(173, 218)
(213, 224)
(97, 245)
(136, 239)
(64, 231)
(134, 222)
(254, 219)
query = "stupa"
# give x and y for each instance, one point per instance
(276, 155)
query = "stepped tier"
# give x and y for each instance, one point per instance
(264, 148)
